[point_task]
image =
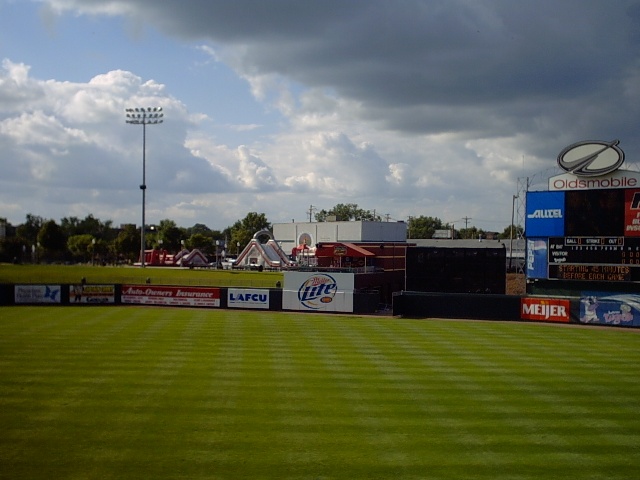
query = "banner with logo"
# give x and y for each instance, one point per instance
(593, 164)
(608, 308)
(171, 296)
(248, 298)
(545, 309)
(37, 294)
(545, 214)
(537, 263)
(318, 291)
(93, 294)
(632, 213)
(615, 180)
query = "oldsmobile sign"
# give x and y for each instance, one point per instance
(593, 164)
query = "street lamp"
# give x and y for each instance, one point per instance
(144, 117)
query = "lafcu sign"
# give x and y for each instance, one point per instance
(248, 298)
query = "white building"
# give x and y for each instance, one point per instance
(291, 235)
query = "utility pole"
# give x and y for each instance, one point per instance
(311, 210)
(466, 222)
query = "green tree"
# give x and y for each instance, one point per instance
(201, 242)
(52, 241)
(471, 233)
(81, 246)
(243, 230)
(127, 244)
(347, 212)
(199, 228)
(30, 228)
(171, 235)
(517, 232)
(88, 226)
(12, 249)
(424, 227)
(71, 226)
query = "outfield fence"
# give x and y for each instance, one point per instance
(309, 294)
(84, 294)
(594, 308)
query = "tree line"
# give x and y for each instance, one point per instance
(93, 240)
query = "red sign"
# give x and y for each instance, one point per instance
(632, 213)
(173, 296)
(339, 251)
(545, 309)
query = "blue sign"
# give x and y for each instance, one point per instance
(607, 308)
(545, 214)
(537, 258)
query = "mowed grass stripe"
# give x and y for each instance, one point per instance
(173, 393)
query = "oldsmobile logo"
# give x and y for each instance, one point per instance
(591, 158)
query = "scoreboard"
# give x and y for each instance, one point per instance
(606, 250)
(591, 235)
(612, 259)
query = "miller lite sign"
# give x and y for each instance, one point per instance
(318, 291)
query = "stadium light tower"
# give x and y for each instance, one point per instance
(513, 204)
(144, 117)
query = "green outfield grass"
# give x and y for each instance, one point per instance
(160, 276)
(159, 393)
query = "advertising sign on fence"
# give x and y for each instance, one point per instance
(171, 296)
(37, 294)
(93, 294)
(607, 308)
(318, 291)
(545, 309)
(248, 298)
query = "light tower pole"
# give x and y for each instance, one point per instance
(144, 117)
(513, 207)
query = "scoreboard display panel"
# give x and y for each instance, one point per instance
(591, 235)
(612, 259)
(594, 213)
(609, 250)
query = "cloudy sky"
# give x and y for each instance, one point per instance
(407, 107)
